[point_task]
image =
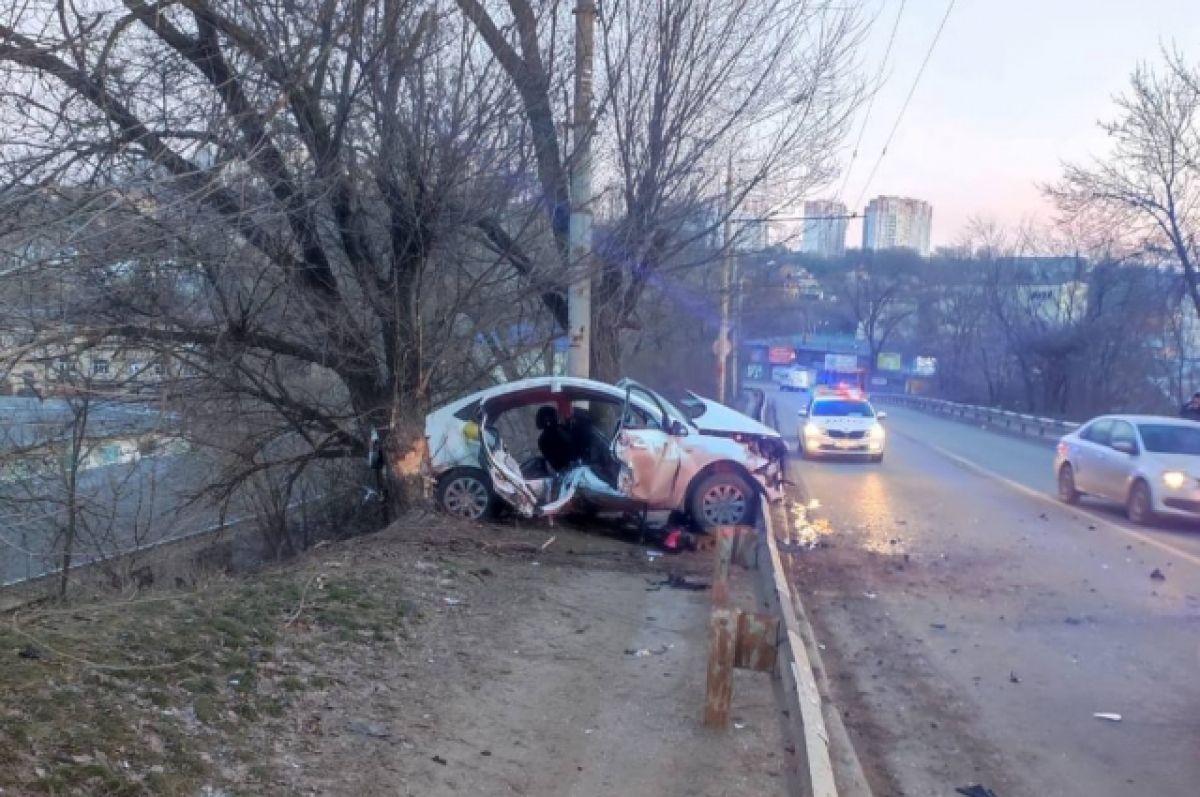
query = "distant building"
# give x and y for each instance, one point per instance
(824, 228)
(1054, 304)
(893, 222)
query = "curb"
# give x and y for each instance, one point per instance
(806, 719)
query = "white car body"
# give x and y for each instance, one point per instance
(1112, 457)
(658, 453)
(842, 424)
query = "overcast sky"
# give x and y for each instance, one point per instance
(1013, 88)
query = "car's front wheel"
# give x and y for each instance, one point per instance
(1140, 506)
(466, 493)
(1067, 492)
(724, 498)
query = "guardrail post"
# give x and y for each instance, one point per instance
(721, 633)
(736, 639)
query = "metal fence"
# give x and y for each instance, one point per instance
(1025, 425)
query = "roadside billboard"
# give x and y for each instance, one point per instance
(889, 361)
(781, 355)
(842, 363)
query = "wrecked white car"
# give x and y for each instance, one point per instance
(552, 445)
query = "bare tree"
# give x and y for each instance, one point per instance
(1147, 187)
(682, 86)
(281, 197)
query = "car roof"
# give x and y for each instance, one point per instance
(1165, 420)
(555, 384)
(836, 397)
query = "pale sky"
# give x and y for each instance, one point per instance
(1014, 88)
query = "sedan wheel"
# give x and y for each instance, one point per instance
(464, 493)
(1140, 507)
(723, 499)
(1066, 485)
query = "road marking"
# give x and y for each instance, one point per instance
(1044, 498)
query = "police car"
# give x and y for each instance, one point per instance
(841, 422)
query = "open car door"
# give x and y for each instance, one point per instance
(649, 453)
(505, 472)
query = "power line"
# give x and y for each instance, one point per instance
(911, 91)
(871, 102)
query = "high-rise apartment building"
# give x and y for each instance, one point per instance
(824, 228)
(897, 222)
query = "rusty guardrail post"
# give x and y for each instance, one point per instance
(736, 639)
(721, 631)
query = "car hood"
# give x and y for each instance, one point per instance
(721, 420)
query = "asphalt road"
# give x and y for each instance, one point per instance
(973, 625)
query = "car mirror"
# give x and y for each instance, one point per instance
(881, 416)
(679, 429)
(1126, 447)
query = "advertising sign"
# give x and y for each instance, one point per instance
(841, 362)
(889, 361)
(781, 355)
(925, 366)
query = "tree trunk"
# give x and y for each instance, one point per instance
(606, 349)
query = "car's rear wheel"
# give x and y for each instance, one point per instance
(724, 498)
(1067, 492)
(1140, 506)
(466, 493)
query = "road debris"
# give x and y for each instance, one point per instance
(641, 653)
(453, 601)
(870, 595)
(938, 626)
(437, 759)
(975, 790)
(1012, 678)
(677, 581)
(548, 543)
(32, 652)
(1105, 715)
(1157, 575)
(368, 729)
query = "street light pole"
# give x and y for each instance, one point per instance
(579, 290)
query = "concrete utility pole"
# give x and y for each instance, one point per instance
(721, 347)
(579, 292)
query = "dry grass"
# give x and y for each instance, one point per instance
(148, 696)
(174, 691)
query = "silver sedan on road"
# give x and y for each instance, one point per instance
(1149, 464)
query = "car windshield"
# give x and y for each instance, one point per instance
(1170, 439)
(855, 409)
(691, 407)
(683, 401)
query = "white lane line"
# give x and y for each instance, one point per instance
(1039, 495)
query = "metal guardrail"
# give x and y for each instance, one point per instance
(767, 641)
(1026, 425)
